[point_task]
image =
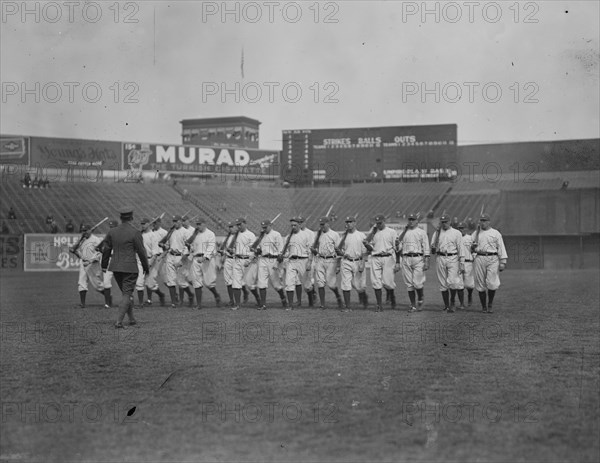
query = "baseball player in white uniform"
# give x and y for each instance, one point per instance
(108, 275)
(325, 261)
(89, 266)
(296, 250)
(175, 246)
(309, 277)
(183, 271)
(227, 260)
(414, 253)
(267, 247)
(447, 245)
(382, 260)
(353, 255)
(242, 254)
(490, 259)
(467, 278)
(203, 270)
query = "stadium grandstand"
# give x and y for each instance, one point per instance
(551, 209)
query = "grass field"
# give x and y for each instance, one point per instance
(521, 384)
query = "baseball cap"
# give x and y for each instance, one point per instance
(185, 217)
(231, 224)
(126, 212)
(85, 228)
(113, 223)
(240, 220)
(265, 223)
(445, 218)
(412, 216)
(300, 219)
(461, 225)
(200, 220)
(176, 218)
(380, 218)
(324, 220)
(350, 219)
(296, 219)
(484, 217)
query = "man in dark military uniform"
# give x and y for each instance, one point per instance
(122, 244)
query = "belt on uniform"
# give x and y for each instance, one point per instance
(175, 253)
(487, 253)
(446, 254)
(333, 256)
(238, 256)
(385, 254)
(298, 257)
(198, 255)
(468, 260)
(353, 259)
(412, 254)
(270, 256)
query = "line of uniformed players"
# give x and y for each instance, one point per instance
(187, 257)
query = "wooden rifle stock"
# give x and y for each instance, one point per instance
(315, 247)
(285, 247)
(254, 247)
(367, 241)
(339, 250)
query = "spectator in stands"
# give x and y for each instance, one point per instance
(36, 182)
(53, 227)
(454, 223)
(5, 230)
(49, 219)
(11, 214)
(69, 227)
(26, 180)
(81, 226)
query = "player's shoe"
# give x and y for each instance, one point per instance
(378, 309)
(412, 309)
(322, 307)
(460, 307)
(489, 309)
(173, 306)
(119, 325)
(132, 322)
(484, 309)
(235, 307)
(420, 305)
(451, 309)
(106, 306)
(197, 307)
(148, 302)
(346, 309)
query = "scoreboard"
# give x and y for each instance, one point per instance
(369, 153)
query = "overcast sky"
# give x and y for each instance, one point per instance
(365, 64)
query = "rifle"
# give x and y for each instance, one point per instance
(81, 238)
(254, 248)
(315, 247)
(437, 237)
(476, 237)
(285, 248)
(367, 240)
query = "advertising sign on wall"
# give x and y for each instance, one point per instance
(46, 252)
(67, 152)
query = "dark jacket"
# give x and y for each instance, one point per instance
(125, 241)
